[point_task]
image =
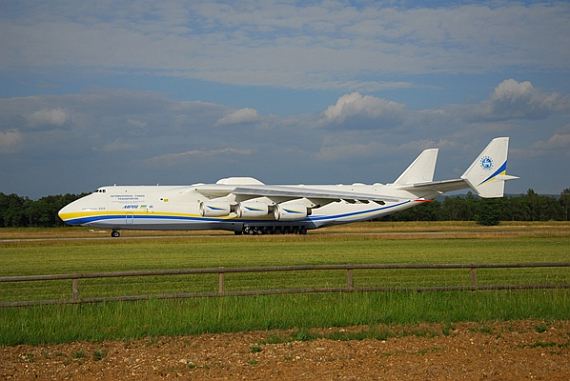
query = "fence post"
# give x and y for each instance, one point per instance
(75, 287)
(474, 277)
(350, 284)
(221, 281)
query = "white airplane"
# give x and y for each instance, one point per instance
(246, 205)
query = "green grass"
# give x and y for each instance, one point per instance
(116, 320)
(65, 323)
(66, 257)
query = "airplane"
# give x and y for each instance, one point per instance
(245, 205)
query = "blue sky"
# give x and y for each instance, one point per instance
(96, 93)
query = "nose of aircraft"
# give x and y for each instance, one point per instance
(68, 214)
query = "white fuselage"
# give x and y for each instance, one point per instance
(178, 208)
(245, 204)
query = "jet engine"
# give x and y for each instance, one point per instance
(290, 212)
(214, 208)
(252, 209)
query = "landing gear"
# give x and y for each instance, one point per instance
(115, 234)
(254, 230)
(251, 230)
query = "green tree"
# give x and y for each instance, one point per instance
(471, 203)
(488, 212)
(12, 210)
(454, 209)
(565, 203)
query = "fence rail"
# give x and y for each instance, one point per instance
(221, 271)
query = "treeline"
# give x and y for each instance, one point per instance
(490, 211)
(16, 211)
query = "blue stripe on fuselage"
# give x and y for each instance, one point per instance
(101, 218)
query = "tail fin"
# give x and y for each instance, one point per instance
(488, 173)
(421, 170)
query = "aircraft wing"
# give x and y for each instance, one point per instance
(286, 193)
(310, 193)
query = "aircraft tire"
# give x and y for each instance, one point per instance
(115, 234)
(262, 230)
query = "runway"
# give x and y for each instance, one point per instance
(105, 235)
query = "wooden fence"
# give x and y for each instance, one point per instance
(75, 277)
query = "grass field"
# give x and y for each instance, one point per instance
(368, 243)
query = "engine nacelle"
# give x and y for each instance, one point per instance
(252, 209)
(290, 212)
(214, 208)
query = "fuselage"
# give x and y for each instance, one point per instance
(245, 204)
(179, 208)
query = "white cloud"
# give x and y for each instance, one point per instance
(325, 45)
(174, 141)
(520, 100)
(10, 141)
(109, 120)
(244, 115)
(356, 105)
(512, 91)
(52, 117)
(514, 100)
(556, 143)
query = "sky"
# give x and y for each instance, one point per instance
(96, 93)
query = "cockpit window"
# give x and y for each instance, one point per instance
(101, 190)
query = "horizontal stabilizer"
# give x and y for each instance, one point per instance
(438, 186)
(505, 177)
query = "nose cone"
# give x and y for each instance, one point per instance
(70, 214)
(83, 211)
(76, 212)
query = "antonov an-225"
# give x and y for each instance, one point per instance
(246, 205)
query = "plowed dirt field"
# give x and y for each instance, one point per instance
(522, 350)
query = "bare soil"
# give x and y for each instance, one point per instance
(522, 350)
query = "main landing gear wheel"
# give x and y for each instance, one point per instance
(115, 234)
(251, 230)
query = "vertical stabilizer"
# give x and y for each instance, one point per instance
(488, 173)
(421, 170)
